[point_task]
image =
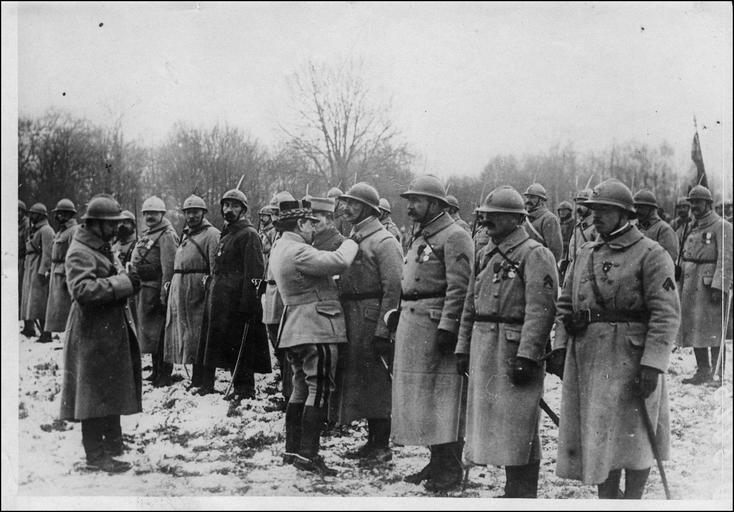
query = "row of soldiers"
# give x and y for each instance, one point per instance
(465, 311)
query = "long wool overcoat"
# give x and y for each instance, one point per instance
(24, 227)
(155, 251)
(37, 265)
(232, 301)
(369, 288)
(706, 261)
(101, 372)
(59, 300)
(546, 229)
(426, 391)
(502, 418)
(185, 312)
(657, 229)
(602, 428)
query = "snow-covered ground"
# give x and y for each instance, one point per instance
(186, 445)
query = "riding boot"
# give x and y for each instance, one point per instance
(634, 483)
(367, 448)
(308, 457)
(29, 328)
(45, 337)
(425, 473)
(703, 368)
(522, 481)
(609, 489)
(447, 473)
(112, 432)
(293, 418)
(380, 433)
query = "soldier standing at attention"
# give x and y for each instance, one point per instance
(682, 215)
(313, 327)
(567, 225)
(427, 406)
(453, 211)
(101, 369)
(652, 226)
(508, 314)
(706, 280)
(152, 260)
(617, 317)
(369, 288)
(186, 296)
(59, 300)
(386, 221)
(584, 231)
(37, 270)
(23, 228)
(123, 247)
(542, 225)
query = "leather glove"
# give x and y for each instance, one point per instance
(647, 380)
(391, 320)
(135, 280)
(382, 347)
(462, 364)
(523, 371)
(446, 342)
(715, 295)
(556, 362)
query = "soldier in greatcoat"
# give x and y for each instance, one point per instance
(651, 225)
(508, 314)
(705, 282)
(584, 230)
(369, 288)
(427, 392)
(682, 215)
(341, 223)
(233, 335)
(152, 260)
(101, 369)
(617, 317)
(59, 300)
(565, 217)
(542, 225)
(123, 247)
(267, 230)
(37, 271)
(453, 211)
(24, 227)
(313, 326)
(387, 221)
(191, 267)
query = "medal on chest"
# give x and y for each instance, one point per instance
(707, 237)
(606, 266)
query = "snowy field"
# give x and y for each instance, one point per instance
(184, 445)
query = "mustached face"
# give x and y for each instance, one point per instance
(699, 207)
(152, 218)
(607, 218)
(231, 210)
(194, 216)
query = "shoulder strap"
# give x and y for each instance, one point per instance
(542, 240)
(594, 284)
(201, 251)
(143, 257)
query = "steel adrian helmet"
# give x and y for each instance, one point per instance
(645, 198)
(266, 210)
(385, 205)
(429, 186)
(128, 215)
(334, 192)
(452, 201)
(538, 190)
(39, 208)
(64, 205)
(194, 201)
(612, 192)
(504, 199)
(103, 207)
(682, 201)
(234, 195)
(565, 205)
(153, 204)
(365, 194)
(582, 195)
(278, 198)
(700, 192)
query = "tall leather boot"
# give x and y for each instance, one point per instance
(380, 431)
(447, 473)
(293, 416)
(113, 436)
(308, 457)
(364, 451)
(97, 458)
(522, 481)
(634, 483)
(29, 328)
(703, 368)
(425, 473)
(609, 489)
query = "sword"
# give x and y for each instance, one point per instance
(651, 437)
(239, 358)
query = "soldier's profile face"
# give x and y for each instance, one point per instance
(607, 218)
(418, 207)
(581, 210)
(194, 216)
(108, 229)
(643, 211)
(699, 207)
(306, 229)
(531, 201)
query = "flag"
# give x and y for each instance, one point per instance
(697, 158)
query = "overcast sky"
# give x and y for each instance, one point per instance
(467, 80)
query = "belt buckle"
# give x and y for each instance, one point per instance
(585, 315)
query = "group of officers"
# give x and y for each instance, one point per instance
(440, 337)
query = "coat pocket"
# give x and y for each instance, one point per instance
(371, 313)
(707, 280)
(329, 309)
(435, 314)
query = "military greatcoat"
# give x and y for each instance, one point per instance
(101, 370)
(153, 258)
(601, 425)
(545, 227)
(59, 300)
(426, 391)
(657, 229)
(508, 313)
(185, 313)
(706, 262)
(369, 288)
(37, 265)
(583, 232)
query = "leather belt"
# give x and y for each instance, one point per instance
(696, 260)
(58, 261)
(408, 296)
(190, 271)
(497, 319)
(613, 315)
(361, 295)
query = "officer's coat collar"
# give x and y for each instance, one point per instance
(626, 239)
(240, 223)
(68, 224)
(188, 232)
(162, 225)
(367, 227)
(538, 212)
(517, 237)
(85, 236)
(439, 223)
(707, 220)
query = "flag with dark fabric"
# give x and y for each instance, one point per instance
(697, 158)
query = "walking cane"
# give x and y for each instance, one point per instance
(239, 358)
(653, 445)
(719, 369)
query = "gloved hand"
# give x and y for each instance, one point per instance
(135, 280)
(462, 364)
(382, 347)
(556, 362)
(523, 371)
(391, 320)
(446, 341)
(715, 295)
(647, 380)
